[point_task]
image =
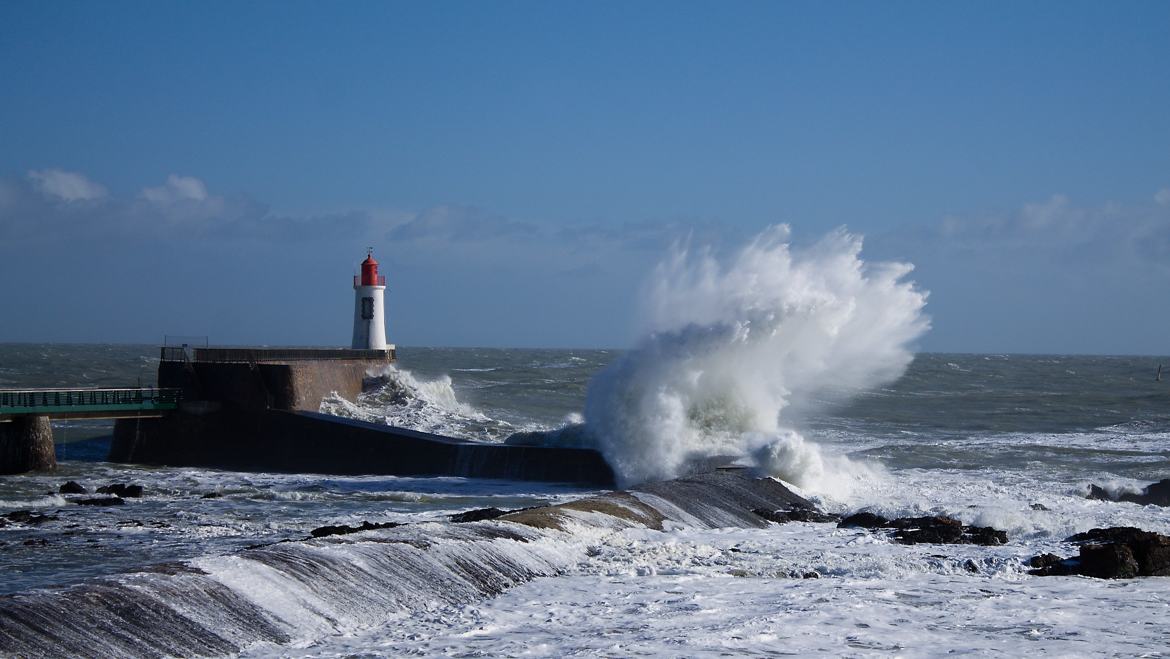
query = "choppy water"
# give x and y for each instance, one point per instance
(980, 437)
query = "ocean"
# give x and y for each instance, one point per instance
(1009, 441)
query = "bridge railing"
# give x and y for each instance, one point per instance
(48, 399)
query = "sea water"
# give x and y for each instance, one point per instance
(979, 437)
(795, 363)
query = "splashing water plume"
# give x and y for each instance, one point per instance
(735, 352)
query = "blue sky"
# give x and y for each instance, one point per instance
(219, 168)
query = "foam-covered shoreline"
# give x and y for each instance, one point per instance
(297, 592)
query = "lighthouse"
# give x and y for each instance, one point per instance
(369, 312)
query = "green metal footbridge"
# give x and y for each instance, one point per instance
(88, 403)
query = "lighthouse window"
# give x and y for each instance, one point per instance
(367, 308)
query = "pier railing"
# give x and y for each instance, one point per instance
(178, 354)
(52, 401)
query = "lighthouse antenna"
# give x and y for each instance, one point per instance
(369, 251)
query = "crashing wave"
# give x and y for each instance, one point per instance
(736, 353)
(396, 397)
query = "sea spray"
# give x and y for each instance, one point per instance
(736, 351)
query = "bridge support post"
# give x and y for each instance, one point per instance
(26, 444)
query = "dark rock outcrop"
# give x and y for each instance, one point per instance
(73, 487)
(796, 514)
(864, 520)
(100, 501)
(28, 517)
(341, 529)
(945, 531)
(936, 529)
(1157, 494)
(478, 515)
(1113, 553)
(122, 490)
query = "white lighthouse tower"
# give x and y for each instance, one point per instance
(369, 312)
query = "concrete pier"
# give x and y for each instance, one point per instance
(26, 444)
(257, 410)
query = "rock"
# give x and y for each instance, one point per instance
(1038, 506)
(477, 515)
(796, 514)
(1113, 553)
(100, 501)
(73, 487)
(1109, 561)
(945, 531)
(122, 490)
(1156, 494)
(864, 520)
(1099, 493)
(1150, 550)
(28, 517)
(1111, 534)
(1051, 564)
(984, 535)
(935, 529)
(323, 531)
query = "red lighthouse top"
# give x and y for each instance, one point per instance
(370, 272)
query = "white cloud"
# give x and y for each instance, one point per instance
(66, 186)
(176, 189)
(1059, 230)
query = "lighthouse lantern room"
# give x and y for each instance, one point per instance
(369, 315)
